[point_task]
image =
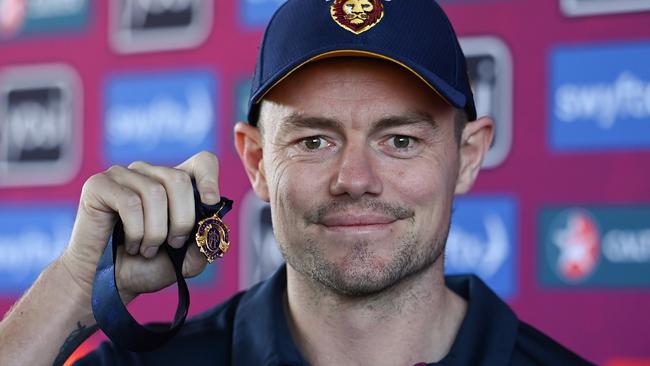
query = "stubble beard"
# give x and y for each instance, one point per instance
(359, 274)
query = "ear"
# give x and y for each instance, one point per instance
(248, 142)
(474, 144)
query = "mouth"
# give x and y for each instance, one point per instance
(357, 222)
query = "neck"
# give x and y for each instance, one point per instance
(414, 321)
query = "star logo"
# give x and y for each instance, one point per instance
(357, 16)
(579, 245)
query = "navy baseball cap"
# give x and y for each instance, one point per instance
(415, 34)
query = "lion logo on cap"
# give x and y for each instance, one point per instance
(357, 16)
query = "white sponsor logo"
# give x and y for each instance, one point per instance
(627, 246)
(40, 124)
(164, 119)
(604, 103)
(466, 251)
(141, 8)
(591, 7)
(154, 25)
(33, 126)
(26, 253)
(490, 67)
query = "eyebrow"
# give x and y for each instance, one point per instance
(298, 120)
(413, 118)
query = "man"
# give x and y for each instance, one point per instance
(359, 139)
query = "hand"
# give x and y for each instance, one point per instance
(155, 204)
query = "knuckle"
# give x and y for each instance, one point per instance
(178, 176)
(134, 232)
(91, 182)
(157, 191)
(154, 237)
(181, 226)
(131, 201)
(115, 169)
(204, 154)
(207, 156)
(87, 205)
(137, 164)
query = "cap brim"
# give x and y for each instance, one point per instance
(443, 90)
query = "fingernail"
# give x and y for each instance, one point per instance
(209, 198)
(178, 241)
(150, 252)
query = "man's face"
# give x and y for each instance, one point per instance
(357, 11)
(361, 162)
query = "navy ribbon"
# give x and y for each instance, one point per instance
(110, 312)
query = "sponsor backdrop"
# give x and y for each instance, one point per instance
(558, 223)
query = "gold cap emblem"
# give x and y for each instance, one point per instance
(357, 16)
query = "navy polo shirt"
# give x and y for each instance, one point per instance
(251, 329)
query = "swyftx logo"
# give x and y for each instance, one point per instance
(151, 25)
(600, 97)
(159, 117)
(482, 240)
(39, 125)
(256, 13)
(31, 236)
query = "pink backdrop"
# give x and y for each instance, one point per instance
(603, 324)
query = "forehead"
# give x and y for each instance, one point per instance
(352, 89)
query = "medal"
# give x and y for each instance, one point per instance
(212, 236)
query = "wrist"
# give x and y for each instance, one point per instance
(81, 276)
(77, 289)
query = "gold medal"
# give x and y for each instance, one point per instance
(212, 237)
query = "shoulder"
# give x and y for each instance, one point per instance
(492, 334)
(205, 338)
(533, 347)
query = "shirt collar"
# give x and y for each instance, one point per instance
(487, 334)
(261, 333)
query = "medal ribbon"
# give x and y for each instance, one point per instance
(110, 312)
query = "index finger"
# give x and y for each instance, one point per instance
(204, 167)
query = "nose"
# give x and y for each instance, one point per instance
(356, 173)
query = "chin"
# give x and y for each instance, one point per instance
(365, 281)
(360, 283)
(360, 272)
